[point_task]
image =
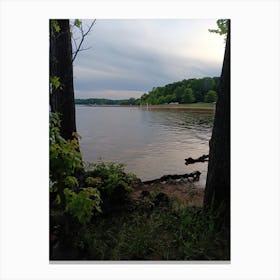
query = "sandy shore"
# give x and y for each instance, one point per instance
(185, 193)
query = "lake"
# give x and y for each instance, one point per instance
(151, 143)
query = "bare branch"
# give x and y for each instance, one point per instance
(80, 50)
(85, 49)
(78, 47)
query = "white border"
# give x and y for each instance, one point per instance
(24, 138)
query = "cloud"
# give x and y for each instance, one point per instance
(132, 56)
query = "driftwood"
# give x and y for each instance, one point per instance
(200, 159)
(194, 175)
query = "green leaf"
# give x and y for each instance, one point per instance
(222, 27)
(55, 25)
(77, 23)
(90, 181)
(55, 81)
(84, 204)
(71, 181)
(58, 199)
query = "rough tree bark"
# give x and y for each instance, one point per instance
(217, 190)
(62, 98)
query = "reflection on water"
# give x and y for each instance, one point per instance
(151, 143)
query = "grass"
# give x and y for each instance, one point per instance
(145, 232)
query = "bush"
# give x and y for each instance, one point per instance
(84, 204)
(113, 183)
(71, 182)
(65, 158)
(93, 182)
(65, 163)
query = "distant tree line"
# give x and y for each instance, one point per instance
(182, 92)
(104, 101)
(185, 91)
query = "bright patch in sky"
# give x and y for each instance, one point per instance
(129, 57)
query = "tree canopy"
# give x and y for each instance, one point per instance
(185, 91)
(222, 27)
(211, 96)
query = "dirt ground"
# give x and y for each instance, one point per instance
(186, 193)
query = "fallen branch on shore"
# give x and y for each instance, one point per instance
(194, 176)
(200, 159)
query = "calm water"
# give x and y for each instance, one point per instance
(151, 143)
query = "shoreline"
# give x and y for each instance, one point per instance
(179, 106)
(151, 107)
(185, 193)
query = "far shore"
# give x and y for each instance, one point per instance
(194, 106)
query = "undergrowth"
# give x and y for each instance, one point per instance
(161, 233)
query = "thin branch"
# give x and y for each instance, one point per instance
(84, 49)
(76, 47)
(84, 34)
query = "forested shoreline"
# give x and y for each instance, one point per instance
(181, 92)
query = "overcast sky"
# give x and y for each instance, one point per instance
(129, 57)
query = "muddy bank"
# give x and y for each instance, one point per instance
(184, 192)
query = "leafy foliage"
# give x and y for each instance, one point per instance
(93, 182)
(222, 29)
(83, 204)
(65, 157)
(71, 181)
(55, 82)
(188, 96)
(54, 26)
(77, 23)
(211, 96)
(113, 183)
(103, 101)
(65, 161)
(186, 91)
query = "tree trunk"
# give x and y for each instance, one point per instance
(62, 98)
(217, 190)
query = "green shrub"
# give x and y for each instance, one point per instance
(65, 162)
(84, 204)
(65, 157)
(115, 185)
(71, 182)
(93, 182)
